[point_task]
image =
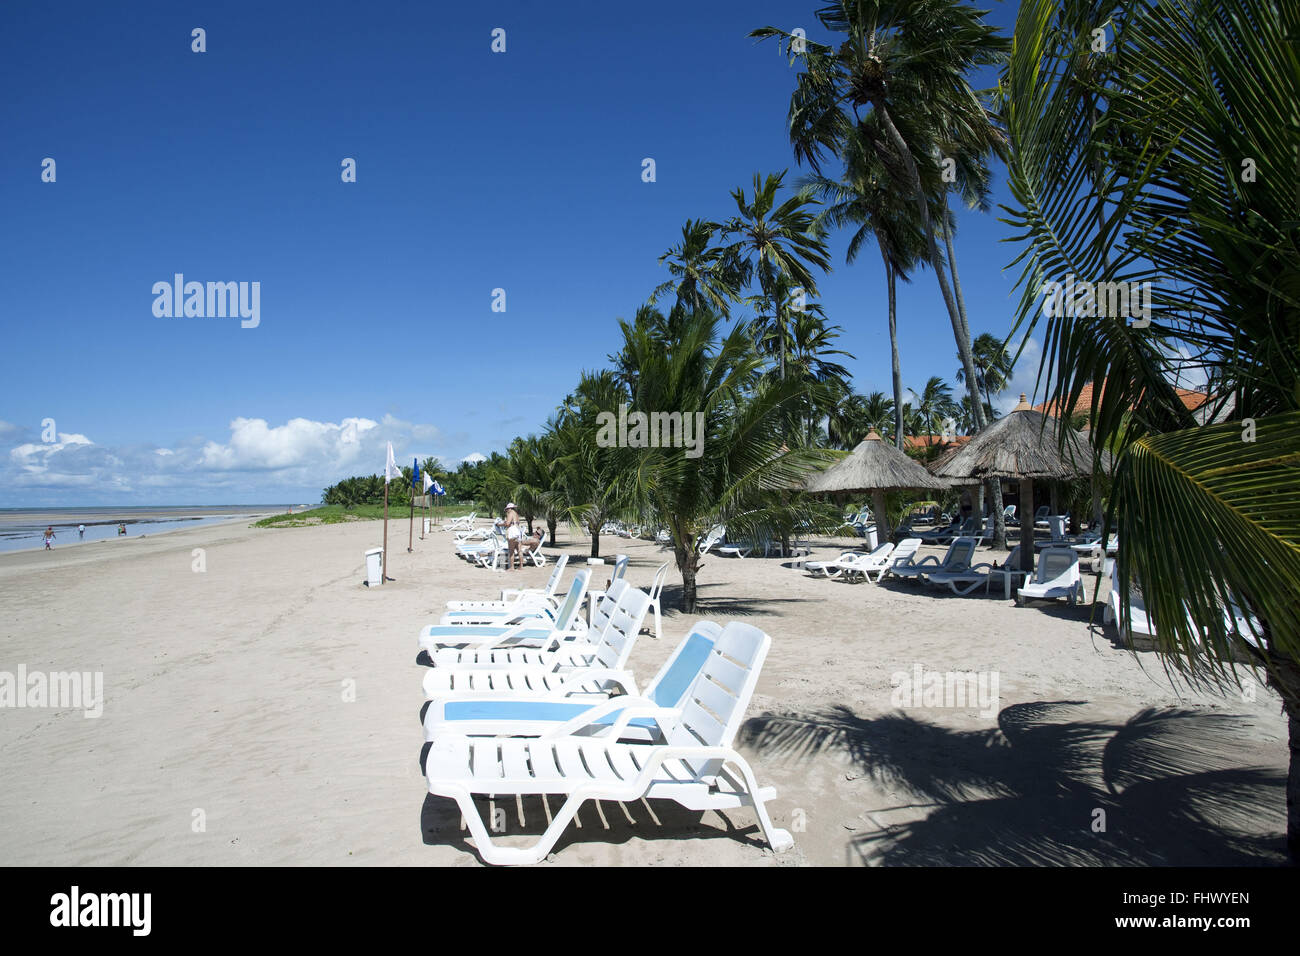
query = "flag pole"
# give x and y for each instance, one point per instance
(410, 537)
(383, 573)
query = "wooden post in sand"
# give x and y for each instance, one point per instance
(410, 538)
(383, 567)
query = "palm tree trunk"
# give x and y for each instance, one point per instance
(595, 541)
(972, 386)
(960, 332)
(1285, 682)
(688, 560)
(896, 363)
(550, 526)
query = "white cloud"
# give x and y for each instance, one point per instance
(474, 458)
(257, 460)
(256, 446)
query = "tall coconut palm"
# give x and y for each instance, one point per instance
(993, 365)
(865, 197)
(704, 275)
(1178, 169)
(770, 239)
(906, 64)
(935, 405)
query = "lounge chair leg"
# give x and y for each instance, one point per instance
(516, 856)
(777, 838)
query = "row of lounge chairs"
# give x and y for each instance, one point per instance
(1056, 573)
(535, 702)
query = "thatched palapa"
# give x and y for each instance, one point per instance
(875, 466)
(1025, 445)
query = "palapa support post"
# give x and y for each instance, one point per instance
(1027, 524)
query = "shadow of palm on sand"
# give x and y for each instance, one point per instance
(1049, 787)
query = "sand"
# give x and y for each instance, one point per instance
(264, 710)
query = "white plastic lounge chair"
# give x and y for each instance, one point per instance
(904, 557)
(964, 582)
(595, 594)
(656, 591)
(1040, 516)
(957, 558)
(830, 568)
(587, 664)
(464, 522)
(865, 565)
(1140, 622)
(714, 537)
(691, 768)
(493, 713)
(531, 602)
(1057, 575)
(511, 594)
(532, 632)
(740, 549)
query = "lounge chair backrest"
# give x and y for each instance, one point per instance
(905, 553)
(620, 567)
(715, 704)
(675, 678)
(617, 629)
(1055, 562)
(959, 554)
(553, 581)
(1009, 511)
(715, 534)
(657, 586)
(568, 611)
(882, 552)
(1013, 559)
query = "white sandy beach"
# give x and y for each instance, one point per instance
(225, 706)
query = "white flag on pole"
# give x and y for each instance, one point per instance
(428, 482)
(391, 470)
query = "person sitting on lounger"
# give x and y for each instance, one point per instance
(532, 543)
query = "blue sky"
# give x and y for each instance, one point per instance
(475, 171)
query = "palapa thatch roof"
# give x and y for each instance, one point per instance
(875, 465)
(1022, 444)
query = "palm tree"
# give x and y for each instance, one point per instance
(866, 198)
(905, 63)
(743, 472)
(769, 240)
(935, 405)
(993, 366)
(704, 275)
(585, 490)
(1178, 169)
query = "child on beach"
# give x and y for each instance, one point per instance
(49, 536)
(81, 531)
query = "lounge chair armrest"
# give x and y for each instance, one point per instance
(595, 712)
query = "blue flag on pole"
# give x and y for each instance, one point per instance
(437, 489)
(415, 478)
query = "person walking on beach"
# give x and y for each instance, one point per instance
(81, 531)
(121, 529)
(49, 537)
(513, 543)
